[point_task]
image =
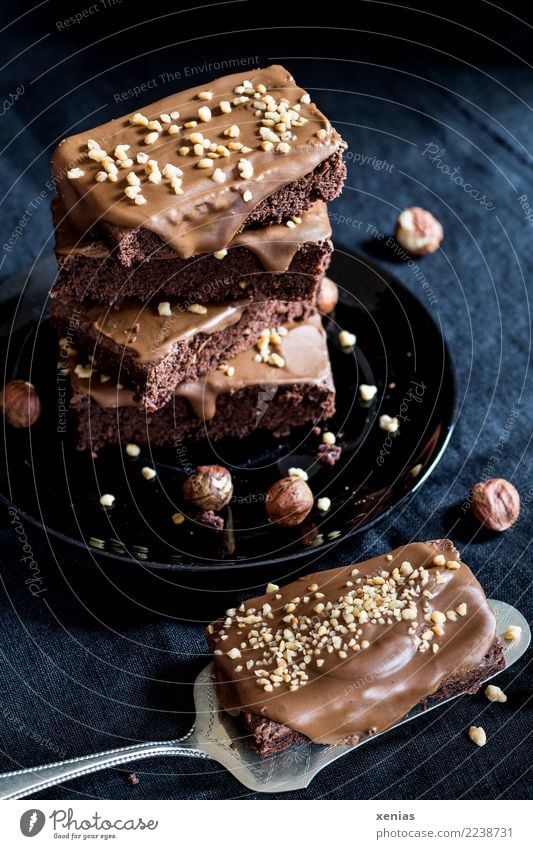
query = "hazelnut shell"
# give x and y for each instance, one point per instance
(209, 487)
(289, 501)
(418, 231)
(495, 504)
(20, 403)
(328, 296)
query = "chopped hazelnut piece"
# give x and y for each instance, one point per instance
(151, 138)
(139, 119)
(271, 588)
(148, 473)
(131, 192)
(388, 423)
(205, 163)
(245, 169)
(438, 617)
(178, 518)
(295, 472)
(275, 360)
(198, 309)
(347, 339)
(329, 438)
(132, 450)
(495, 694)
(323, 504)
(107, 500)
(477, 735)
(461, 609)
(164, 308)
(75, 173)
(83, 371)
(513, 632)
(221, 253)
(367, 391)
(234, 653)
(204, 113)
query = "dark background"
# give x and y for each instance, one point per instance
(85, 669)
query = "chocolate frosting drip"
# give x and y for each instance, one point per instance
(352, 692)
(304, 350)
(149, 336)
(208, 214)
(275, 246)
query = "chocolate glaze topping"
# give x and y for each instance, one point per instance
(303, 349)
(200, 207)
(140, 328)
(348, 652)
(275, 246)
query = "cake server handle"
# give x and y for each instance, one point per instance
(24, 782)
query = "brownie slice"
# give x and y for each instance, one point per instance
(254, 396)
(342, 654)
(324, 183)
(153, 353)
(268, 737)
(194, 169)
(266, 263)
(238, 414)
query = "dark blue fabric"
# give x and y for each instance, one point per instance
(81, 669)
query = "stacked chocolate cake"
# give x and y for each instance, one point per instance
(192, 238)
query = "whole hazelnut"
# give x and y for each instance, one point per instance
(289, 501)
(418, 231)
(328, 296)
(209, 487)
(495, 503)
(20, 403)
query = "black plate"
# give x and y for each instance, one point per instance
(399, 348)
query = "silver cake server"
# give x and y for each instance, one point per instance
(216, 736)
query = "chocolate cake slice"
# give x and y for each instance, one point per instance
(247, 395)
(341, 654)
(265, 263)
(194, 169)
(153, 347)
